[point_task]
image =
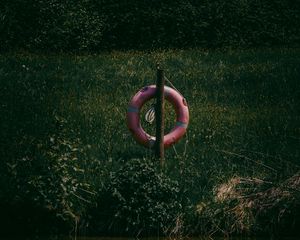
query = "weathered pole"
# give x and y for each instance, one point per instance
(159, 115)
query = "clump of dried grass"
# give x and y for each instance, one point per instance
(247, 204)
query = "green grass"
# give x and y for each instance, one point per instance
(244, 111)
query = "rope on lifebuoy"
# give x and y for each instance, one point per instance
(150, 114)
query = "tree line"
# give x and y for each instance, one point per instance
(95, 25)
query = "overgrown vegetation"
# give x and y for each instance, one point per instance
(139, 197)
(134, 24)
(68, 161)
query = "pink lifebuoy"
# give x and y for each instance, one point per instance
(133, 118)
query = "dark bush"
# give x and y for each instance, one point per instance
(47, 184)
(131, 24)
(50, 25)
(137, 199)
(69, 25)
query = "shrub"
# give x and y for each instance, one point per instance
(137, 199)
(133, 24)
(50, 179)
(50, 25)
(69, 25)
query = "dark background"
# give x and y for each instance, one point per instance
(146, 24)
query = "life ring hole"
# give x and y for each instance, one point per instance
(169, 117)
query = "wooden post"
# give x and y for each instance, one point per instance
(159, 115)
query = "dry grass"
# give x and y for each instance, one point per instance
(250, 201)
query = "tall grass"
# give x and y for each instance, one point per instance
(244, 121)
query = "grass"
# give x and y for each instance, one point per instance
(244, 111)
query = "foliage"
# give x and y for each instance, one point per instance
(50, 25)
(133, 24)
(49, 178)
(65, 148)
(58, 179)
(137, 199)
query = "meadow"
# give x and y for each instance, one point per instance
(68, 157)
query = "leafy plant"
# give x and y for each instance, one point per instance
(137, 199)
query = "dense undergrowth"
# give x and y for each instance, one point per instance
(95, 25)
(68, 163)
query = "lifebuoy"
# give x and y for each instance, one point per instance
(133, 117)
